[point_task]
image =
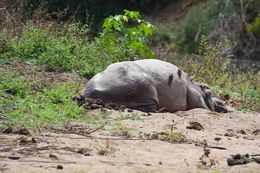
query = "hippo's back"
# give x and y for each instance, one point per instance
(119, 78)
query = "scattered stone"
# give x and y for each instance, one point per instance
(217, 139)
(7, 130)
(257, 160)
(102, 152)
(248, 138)
(53, 156)
(14, 157)
(84, 151)
(59, 167)
(256, 132)
(238, 159)
(241, 132)
(130, 110)
(230, 133)
(149, 114)
(206, 152)
(23, 131)
(20, 131)
(195, 126)
(27, 140)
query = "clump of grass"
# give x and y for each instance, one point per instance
(132, 116)
(173, 137)
(119, 129)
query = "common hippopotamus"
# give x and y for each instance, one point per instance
(150, 85)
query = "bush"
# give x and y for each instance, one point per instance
(200, 21)
(255, 25)
(67, 47)
(210, 67)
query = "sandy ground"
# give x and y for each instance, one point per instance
(138, 145)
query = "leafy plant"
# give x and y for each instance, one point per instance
(130, 32)
(254, 26)
(67, 47)
(200, 21)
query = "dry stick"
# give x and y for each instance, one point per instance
(198, 33)
(42, 161)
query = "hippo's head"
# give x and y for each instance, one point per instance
(213, 103)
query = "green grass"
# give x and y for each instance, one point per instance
(49, 105)
(132, 116)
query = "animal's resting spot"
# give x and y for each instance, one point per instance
(150, 85)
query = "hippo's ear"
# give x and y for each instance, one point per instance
(179, 73)
(170, 80)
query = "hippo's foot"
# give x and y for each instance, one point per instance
(145, 107)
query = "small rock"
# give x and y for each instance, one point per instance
(102, 152)
(59, 167)
(238, 159)
(217, 138)
(257, 160)
(241, 132)
(14, 157)
(84, 151)
(130, 110)
(7, 130)
(195, 126)
(148, 114)
(256, 132)
(53, 156)
(23, 131)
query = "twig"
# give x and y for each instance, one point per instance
(42, 161)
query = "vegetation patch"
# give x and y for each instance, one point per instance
(37, 103)
(173, 137)
(68, 47)
(200, 20)
(132, 116)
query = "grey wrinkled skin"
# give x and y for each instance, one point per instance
(150, 85)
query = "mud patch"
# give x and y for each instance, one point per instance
(19, 131)
(92, 104)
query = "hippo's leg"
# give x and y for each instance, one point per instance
(144, 98)
(195, 100)
(147, 106)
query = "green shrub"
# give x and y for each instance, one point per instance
(254, 26)
(66, 47)
(200, 21)
(14, 85)
(209, 67)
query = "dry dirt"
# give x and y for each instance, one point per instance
(144, 145)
